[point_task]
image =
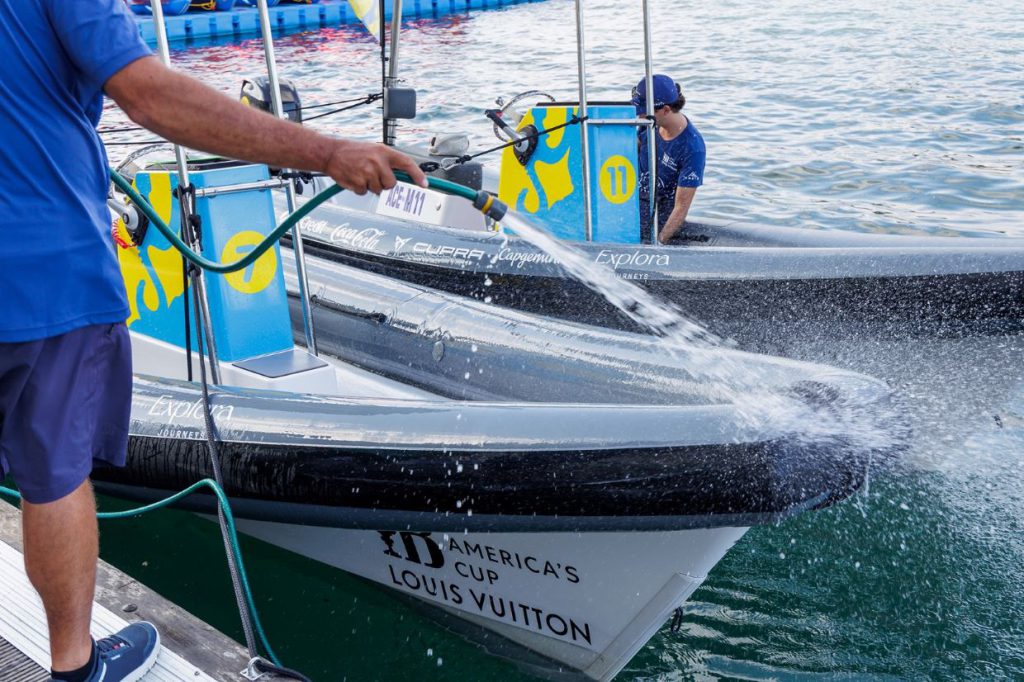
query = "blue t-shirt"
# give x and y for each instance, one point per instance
(58, 271)
(680, 164)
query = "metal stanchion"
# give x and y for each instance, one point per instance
(581, 61)
(290, 194)
(185, 205)
(652, 130)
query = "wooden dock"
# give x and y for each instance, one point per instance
(192, 650)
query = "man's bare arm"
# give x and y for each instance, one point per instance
(184, 110)
(684, 198)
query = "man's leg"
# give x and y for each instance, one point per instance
(61, 550)
(65, 401)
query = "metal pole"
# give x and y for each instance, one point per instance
(289, 189)
(165, 56)
(396, 30)
(184, 207)
(652, 130)
(383, 68)
(581, 60)
(390, 124)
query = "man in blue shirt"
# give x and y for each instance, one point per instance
(65, 356)
(680, 153)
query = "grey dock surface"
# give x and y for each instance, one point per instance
(192, 650)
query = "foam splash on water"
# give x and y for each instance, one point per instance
(657, 316)
(689, 342)
(724, 374)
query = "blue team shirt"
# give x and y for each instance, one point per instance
(680, 164)
(58, 271)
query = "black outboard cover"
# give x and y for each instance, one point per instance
(256, 93)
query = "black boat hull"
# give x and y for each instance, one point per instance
(743, 281)
(454, 466)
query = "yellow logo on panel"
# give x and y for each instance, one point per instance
(253, 278)
(617, 179)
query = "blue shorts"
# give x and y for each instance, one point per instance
(64, 402)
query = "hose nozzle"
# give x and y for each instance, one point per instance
(490, 205)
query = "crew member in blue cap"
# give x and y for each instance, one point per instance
(680, 154)
(65, 355)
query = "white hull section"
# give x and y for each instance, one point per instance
(587, 601)
(158, 358)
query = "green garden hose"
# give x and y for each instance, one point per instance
(222, 500)
(483, 201)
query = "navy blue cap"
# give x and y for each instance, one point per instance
(665, 92)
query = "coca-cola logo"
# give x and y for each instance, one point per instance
(366, 238)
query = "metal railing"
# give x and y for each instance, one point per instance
(185, 209)
(648, 122)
